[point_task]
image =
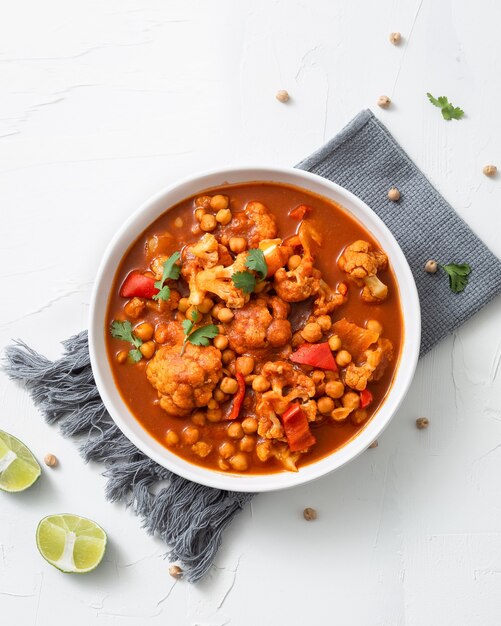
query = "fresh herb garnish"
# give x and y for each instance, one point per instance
(257, 263)
(449, 111)
(171, 271)
(244, 281)
(458, 275)
(200, 336)
(123, 330)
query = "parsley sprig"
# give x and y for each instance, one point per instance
(171, 271)
(458, 275)
(255, 261)
(200, 336)
(449, 111)
(123, 330)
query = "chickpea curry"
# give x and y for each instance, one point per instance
(254, 328)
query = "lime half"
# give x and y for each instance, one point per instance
(18, 467)
(71, 543)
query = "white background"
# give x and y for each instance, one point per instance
(103, 103)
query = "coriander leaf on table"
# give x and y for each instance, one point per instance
(458, 275)
(256, 262)
(449, 111)
(170, 271)
(244, 281)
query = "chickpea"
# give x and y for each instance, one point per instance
(175, 571)
(221, 342)
(208, 223)
(219, 202)
(334, 389)
(350, 400)
(384, 102)
(325, 322)
(325, 405)
(297, 340)
(260, 384)
(237, 244)
(223, 465)
(334, 343)
(198, 418)
(50, 460)
(395, 38)
(375, 326)
(178, 222)
(190, 435)
(184, 305)
(359, 416)
(309, 514)
(235, 430)
(394, 194)
(318, 377)
(282, 95)
(249, 425)
(121, 356)
(225, 315)
(215, 310)
(422, 422)
(312, 332)
(202, 449)
(223, 216)
(192, 314)
(203, 202)
(199, 213)
(172, 438)
(247, 443)
(161, 333)
(229, 385)
(214, 415)
(226, 449)
(245, 365)
(343, 357)
(228, 356)
(294, 262)
(431, 266)
(213, 404)
(220, 396)
(144, 331)
(490, 170)
(205, 306)
(239, 462)
(148, 349)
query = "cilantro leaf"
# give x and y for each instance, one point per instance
(201, 336)
(244, 281)
(170, 271)
(257, 263)
(458, 275)
(187, 326)
(449, 111)
(123, 330)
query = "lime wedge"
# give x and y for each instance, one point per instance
(18, 467)
(71, 543)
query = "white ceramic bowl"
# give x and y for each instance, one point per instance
(161, 202)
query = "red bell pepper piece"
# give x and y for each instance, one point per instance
(137, 285)
(365, 398)
(300, 211)
(316, 355)
(296, 428)
(238, 400)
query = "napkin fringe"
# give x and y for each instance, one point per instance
(189, 517)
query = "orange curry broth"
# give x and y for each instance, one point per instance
(338, 230)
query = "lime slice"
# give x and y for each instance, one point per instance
(18, 467)
(71, 543)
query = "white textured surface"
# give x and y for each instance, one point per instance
(104, 102)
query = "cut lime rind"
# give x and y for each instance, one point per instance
(71, 543)
(19, 469)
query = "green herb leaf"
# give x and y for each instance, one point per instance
(171, 271)
(257, 263)
(458, 275)
(123, 330)
(244, 281)
(201, 336)
(187, 326)
(449, 111)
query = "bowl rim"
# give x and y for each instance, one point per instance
(128, 423)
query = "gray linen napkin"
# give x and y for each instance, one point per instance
(365, 159)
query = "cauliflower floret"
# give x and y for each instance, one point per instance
(281, 376)
(327, 300)
(357, 376)
(254, 326)
(267, 449)
(204, 254)
(361, 263)
(184, 382)
(254, 223)
(218, 280)
(299, 284)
